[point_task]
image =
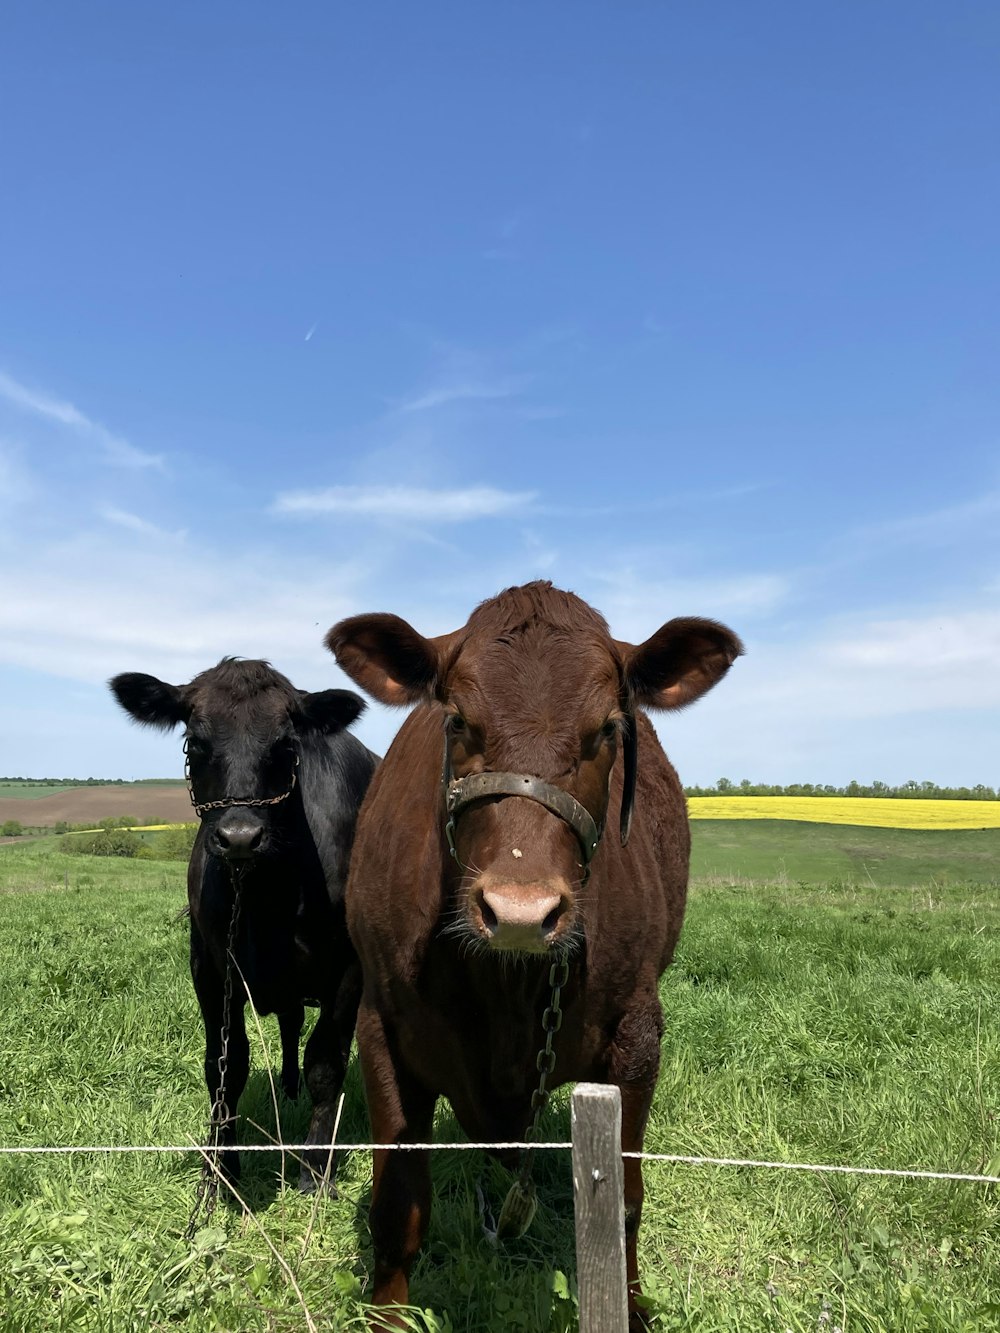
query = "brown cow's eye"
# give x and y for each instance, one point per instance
(457, 723)
(608, 730)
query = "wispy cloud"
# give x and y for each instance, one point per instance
(857, 670)
(73, 615)
(464, 391)
(937, 527)
(635, 604)
(134, 523)
(70, 613)
(933, 651)
(410, 503)
(114, 449)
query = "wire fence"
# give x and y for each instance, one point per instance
(675, 1159)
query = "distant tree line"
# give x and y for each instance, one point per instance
(724, 787)
(912, 789)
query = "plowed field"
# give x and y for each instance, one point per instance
(78, 805)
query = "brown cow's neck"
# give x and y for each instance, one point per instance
(509, 997)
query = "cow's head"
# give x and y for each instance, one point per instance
(244, 728)
(533, 685)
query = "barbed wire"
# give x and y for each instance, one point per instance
(676, 1159)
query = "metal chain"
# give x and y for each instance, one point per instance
(207, 1191)
(229, 801)
(519, 1206)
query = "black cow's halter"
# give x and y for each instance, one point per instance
(460, 793)
(228, 802)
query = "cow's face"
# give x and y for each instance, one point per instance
(545, 706)
(534, 684)
(244, 728)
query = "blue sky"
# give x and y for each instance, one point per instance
(690, 308)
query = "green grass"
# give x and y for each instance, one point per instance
(30, 791)
(810, 1019)
(781, 851)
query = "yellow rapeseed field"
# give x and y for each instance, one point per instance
(875, 811)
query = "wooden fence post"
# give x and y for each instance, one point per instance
(599, 1205)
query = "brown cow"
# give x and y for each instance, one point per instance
(523, 712)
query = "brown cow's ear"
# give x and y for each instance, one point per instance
(387, 657)
(680, 662)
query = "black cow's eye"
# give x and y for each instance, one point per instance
(458, 724)
(609, 729)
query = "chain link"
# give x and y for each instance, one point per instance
(545, 1061)
(229, 801)
(207, 1191)
(519, 1206)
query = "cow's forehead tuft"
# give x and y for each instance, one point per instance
(536, 606)
(238, 685)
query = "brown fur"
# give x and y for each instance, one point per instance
(538, 686)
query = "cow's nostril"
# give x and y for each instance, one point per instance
(552, 920)
(488, 915)
(237, 838)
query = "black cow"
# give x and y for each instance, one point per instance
(278, 782)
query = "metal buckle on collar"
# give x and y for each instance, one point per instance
(459, 793)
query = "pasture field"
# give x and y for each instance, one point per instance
(29, 791)
(810, 1018)
(79, 805)
(877, 811)
(782, 852)
(20, 790)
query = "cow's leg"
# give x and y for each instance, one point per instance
(210, 990)
(290, 1026)
(327, 1053)
(633, 1066)
(401, 1110)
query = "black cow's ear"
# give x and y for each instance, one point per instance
(388, 658)
(152, 702)
(329, 711)
(680, 662)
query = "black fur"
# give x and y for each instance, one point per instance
(249, 733)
